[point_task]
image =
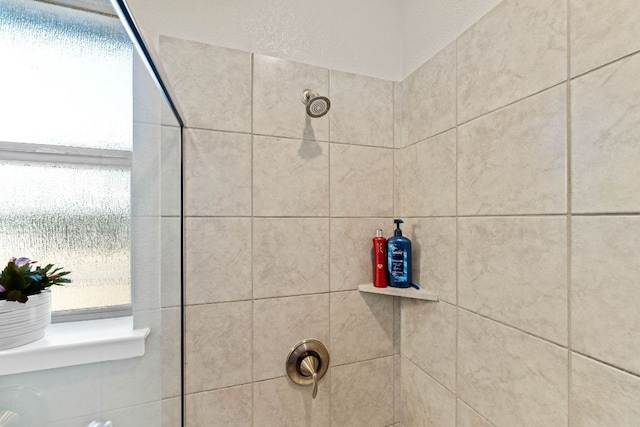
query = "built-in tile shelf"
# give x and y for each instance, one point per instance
(422, 294)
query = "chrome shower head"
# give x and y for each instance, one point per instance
(317, 106)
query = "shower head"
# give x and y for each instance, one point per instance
(317, 106)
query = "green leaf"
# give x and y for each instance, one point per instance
(16, 296)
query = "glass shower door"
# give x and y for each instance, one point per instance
(90, 152)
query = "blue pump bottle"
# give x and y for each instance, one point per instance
(399, 258)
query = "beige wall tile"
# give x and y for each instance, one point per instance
(397, 183)
(397, 387)
(362, 394)
(212, 85)
(170, 164)
(280, 323)
(429, 177)
(149, 104)
(467, 417)
(216, 272)
(602, 31)
(397, 114)
(171, 412)
(433, 254)
(145, 257)
(512, 378)
(226, 407)
(397, 325)
(290, 256)
(429, 98)
(147, 100)
(351, 250)
(424, 401)
(145, 170)
(513, 161)
(517, 49)
(602, 395)
(605, 120)
(429, 339)
(290, 177)
(605, 321)
(361, 110)
(515, 270)
(170, 253)
(217, 173)
(170, 344)
(361, 181)
(281, 403)
(361, 326)
(217, 343)
(277, 107)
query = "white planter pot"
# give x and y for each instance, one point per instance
(22, 324)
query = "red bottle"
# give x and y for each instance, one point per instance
(379, 260)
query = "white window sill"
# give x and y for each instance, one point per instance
(77, 343)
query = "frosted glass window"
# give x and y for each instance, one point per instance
(66, 80)
(66, 77)
(84, 228)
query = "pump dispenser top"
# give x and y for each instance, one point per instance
(398, 231)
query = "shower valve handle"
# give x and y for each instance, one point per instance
(309, 368)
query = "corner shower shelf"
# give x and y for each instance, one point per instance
(422, 294)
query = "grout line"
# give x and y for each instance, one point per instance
(515, 328)
(291, 138)
(431, 376)
(183, 282)
(252, 241)
(431, 136)
(237, 132)
(608, 364)
(254, 299)
(603, 214)
(226, 388)
(569, 208)
(622, 58)
(532, 215)
(394, 182)
(370, 359)
(513, 102)
(475, 411)
(329, 113)
(329, 151)
(396, 210)
(457, 233)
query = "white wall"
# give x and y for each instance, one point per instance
(430, 25)
(359, 36)
(388, 39)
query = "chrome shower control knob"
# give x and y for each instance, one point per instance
(307, 363)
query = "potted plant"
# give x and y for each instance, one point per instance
(25, 300)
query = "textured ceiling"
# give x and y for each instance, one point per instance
(380, 38)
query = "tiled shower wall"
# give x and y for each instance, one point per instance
(279, 210)
(521, 179)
